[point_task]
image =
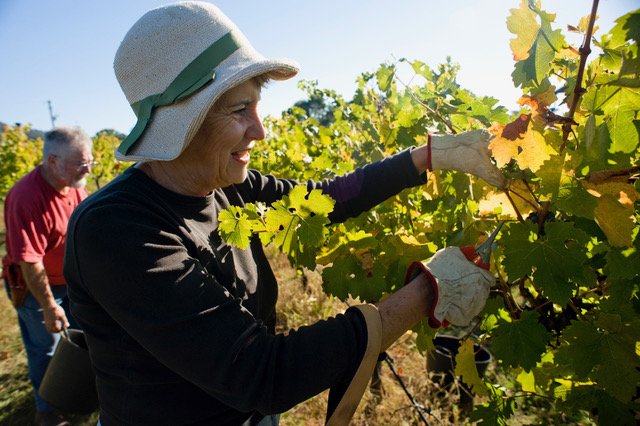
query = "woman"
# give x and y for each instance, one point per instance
(180, 325)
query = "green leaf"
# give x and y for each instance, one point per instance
(346, 276)
(555, 260)
(521, 343)
(284, 224)
(298, 221)
(576, 200)
(624, 262)
(622, 130)
(234, 227)
(551, 174)
(426, 334)
(607, 346)
(627, 28)
(611, 412)
(489, 414)
(385, 76)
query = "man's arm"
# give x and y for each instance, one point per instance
(35, 277)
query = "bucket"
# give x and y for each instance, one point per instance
(69, 383)
(443, 359)
(443, 362)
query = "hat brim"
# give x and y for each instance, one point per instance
(172, 127)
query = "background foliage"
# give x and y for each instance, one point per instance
(564, 319)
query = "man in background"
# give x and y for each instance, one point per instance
(37, 210)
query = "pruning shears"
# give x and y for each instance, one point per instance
(483, 251)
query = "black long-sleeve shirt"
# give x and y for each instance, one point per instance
(181, 325)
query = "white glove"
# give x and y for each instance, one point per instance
(466, 152)
(462, 288)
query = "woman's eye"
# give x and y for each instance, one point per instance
(240, 110)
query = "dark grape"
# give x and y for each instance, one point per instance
(534, 217)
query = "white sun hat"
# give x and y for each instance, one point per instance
(173, 64)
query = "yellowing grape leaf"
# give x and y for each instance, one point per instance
(497, 202)
(529, 149)
(615, 221)
(615, 210)
(298, 221)
(466, 368)
(618, 188)
(540, 101)
(540, 41)
(527, 381)
(522, 22)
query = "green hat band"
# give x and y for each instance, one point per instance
(198, 73)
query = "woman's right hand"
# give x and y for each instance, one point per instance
(461, 287)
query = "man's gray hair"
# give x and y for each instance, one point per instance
(60, 140)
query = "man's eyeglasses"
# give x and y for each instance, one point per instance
(81, 166)
(89, 165)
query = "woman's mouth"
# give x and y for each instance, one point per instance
(241, 156)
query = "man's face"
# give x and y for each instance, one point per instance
(73, 168)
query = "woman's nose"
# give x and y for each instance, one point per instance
(256, 130)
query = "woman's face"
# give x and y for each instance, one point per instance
(218, 155)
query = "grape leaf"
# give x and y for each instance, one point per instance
(627, 28)
(615, 221)
(574, 199)
(535, 64)
(611, 412)
(299, 220)
(521, 343)
(622, 130)
(551, 174)
(497, 201)
(425, 337)
(609, 346)
(529, 149)
(346, 276)
(356, 241)
(522, 22)
(489, 413)
(617, 187)
(466, 368)
(553, 260)
(310, 202)
(234, 227)
(624, 262)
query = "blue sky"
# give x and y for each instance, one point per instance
(62, 50)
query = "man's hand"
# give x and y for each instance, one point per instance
(55, 319)
(35, 277)
(466, 152)
(462, 287)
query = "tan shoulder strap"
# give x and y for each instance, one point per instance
(351, 398)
